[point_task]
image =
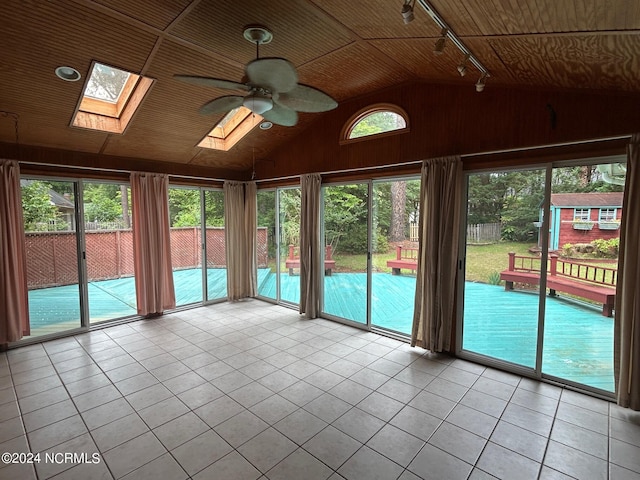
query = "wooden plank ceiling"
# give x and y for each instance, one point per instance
(346, 49)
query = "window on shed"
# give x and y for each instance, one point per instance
(582, 214)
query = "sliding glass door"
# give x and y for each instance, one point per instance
(541, 250)
(278, 243)
(108, 243)
(267, 244)
(394, 250)
(215, 245)
(51, 242)
(584, 238)
(501, 236)
(186, 244)
(289, 232)
(346, 227)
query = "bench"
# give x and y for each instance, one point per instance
(406, 258)
(566, 280)
(293, 260)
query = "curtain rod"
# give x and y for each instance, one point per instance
(350, 170)
(115, 170)
(479, 154)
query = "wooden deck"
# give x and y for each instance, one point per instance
(578, 342)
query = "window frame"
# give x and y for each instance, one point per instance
(224, 137)
(608, 209)
(370, 110)
(581, 218)
(104, 116)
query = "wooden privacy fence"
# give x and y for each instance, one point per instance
(484, 232)
(413, 232)
(52, 256)
(478, 233)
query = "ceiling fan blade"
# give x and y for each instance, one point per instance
(212, 82)
(307, 99)
(221, 104)
(281, 115)
(275, 74)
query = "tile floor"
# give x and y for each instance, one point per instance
(252, 391)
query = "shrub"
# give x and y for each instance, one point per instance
(567, 250)
(607, 248)
(494, 278)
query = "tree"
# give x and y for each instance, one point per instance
(377, 122)
(37, 209)
(398, 210)
(290, 204)
(345, 217)
(102, 202)
(184, 207)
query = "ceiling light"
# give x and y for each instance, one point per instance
(480, 83)
(462, 68)
(266, 125)
(407, 11)
(258, 102)
(441, 42)
(68, 74)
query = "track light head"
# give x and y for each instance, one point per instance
(407, 12)
(462, 68)
(438, 48)
(481, 82)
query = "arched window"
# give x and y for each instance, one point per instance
(375, 120)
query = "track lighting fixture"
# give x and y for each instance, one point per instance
(462, 68)
(407, 11)
(480, 83)
(446, 36)
(441, 42)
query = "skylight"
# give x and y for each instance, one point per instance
(111, 97)
(106, 83)
(231, 129)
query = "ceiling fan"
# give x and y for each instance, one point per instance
(272, 86)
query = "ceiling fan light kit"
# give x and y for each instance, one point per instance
(272, 86)
(258, 102)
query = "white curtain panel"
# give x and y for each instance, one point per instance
(438, 232)
(151, 243)
(311, 262)
(14, 296)
(627, 310)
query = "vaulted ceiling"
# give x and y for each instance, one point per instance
(345, 48)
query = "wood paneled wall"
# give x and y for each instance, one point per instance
(49, 161)
(449, 120)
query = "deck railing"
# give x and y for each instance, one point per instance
(294, 252)
(585, 272)
(405, 253)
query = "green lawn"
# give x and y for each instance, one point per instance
(483, 264)
(484, 261)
